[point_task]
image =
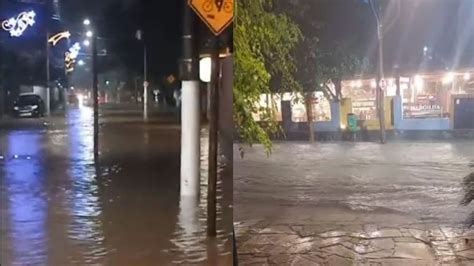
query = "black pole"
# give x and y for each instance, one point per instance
(213, 140)
(95, 89)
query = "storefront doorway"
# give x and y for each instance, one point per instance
(464, 113)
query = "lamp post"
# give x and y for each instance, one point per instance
(139, 36)
(379, 95)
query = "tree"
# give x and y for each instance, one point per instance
(263, 42)
(321, 59)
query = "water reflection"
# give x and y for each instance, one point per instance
(190, 240)
(25, 199)
(124, 211)
(85, 228)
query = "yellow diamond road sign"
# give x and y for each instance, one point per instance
(217, 14)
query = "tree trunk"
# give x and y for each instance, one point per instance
(309, 116)
(338, 87)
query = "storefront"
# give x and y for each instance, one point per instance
(360, 99)
(427, 101)
(323, 110)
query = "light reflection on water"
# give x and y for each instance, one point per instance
(26, 236)
(63, 209)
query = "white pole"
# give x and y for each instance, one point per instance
(145, 84)
(190, 138)
(145, 102)
(48, 101)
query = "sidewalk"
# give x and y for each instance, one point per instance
(344, 237)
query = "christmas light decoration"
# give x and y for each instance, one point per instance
(56, 38)
(16, 26)
(71, 56)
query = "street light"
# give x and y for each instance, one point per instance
(86, 42)
(81, 62)
(86, 22)
(89, 34)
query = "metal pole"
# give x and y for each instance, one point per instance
(213, 143)
(48, 77)
(190, 118)
(381, 96)
(95, 89)
(145, 84)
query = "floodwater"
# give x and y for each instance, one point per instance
(59, 208)
(420, 179)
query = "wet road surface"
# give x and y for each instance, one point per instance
(354, 204)
(59, 208)
(419, 179)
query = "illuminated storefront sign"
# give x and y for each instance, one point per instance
(16, 26)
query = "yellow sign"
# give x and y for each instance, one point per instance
(217, 14)
(56, 38)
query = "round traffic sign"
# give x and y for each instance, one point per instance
(383, 84)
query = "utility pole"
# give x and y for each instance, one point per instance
(380, 95)
(145, 83)
(48, 77)
(190, 114)
(213, 140)
(95, 93)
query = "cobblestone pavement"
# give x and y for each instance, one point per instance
(346, 239)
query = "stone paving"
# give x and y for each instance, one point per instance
(264, 243)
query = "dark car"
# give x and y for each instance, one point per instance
(28, 106)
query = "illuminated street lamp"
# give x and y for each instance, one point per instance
(81, 62)
(467, 76)
(89, 34)
(86, 22)
(86, 42)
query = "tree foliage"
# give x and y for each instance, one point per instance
(263, 43)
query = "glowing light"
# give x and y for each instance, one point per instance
(448, 78)
(86, 22)
(56, 38)
(16, 26)
(419, 83)
(86, 43)
(205, 65)
(81, 62)
(71, 56)
(89, 33)
(373, 84)
(467, 76)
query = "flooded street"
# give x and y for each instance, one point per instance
(59, 208)
(420, 179)
(354, 204)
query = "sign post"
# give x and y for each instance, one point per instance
(217, 15)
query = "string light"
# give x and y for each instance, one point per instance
(71, 56)
(16, 26)
(56, 38)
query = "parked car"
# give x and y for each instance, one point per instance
(28, 105)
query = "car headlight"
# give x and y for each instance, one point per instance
(34, 107)
(16, 108)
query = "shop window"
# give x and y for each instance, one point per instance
(269, 101)
(427, 96)
(362, 94)
(321, 109)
